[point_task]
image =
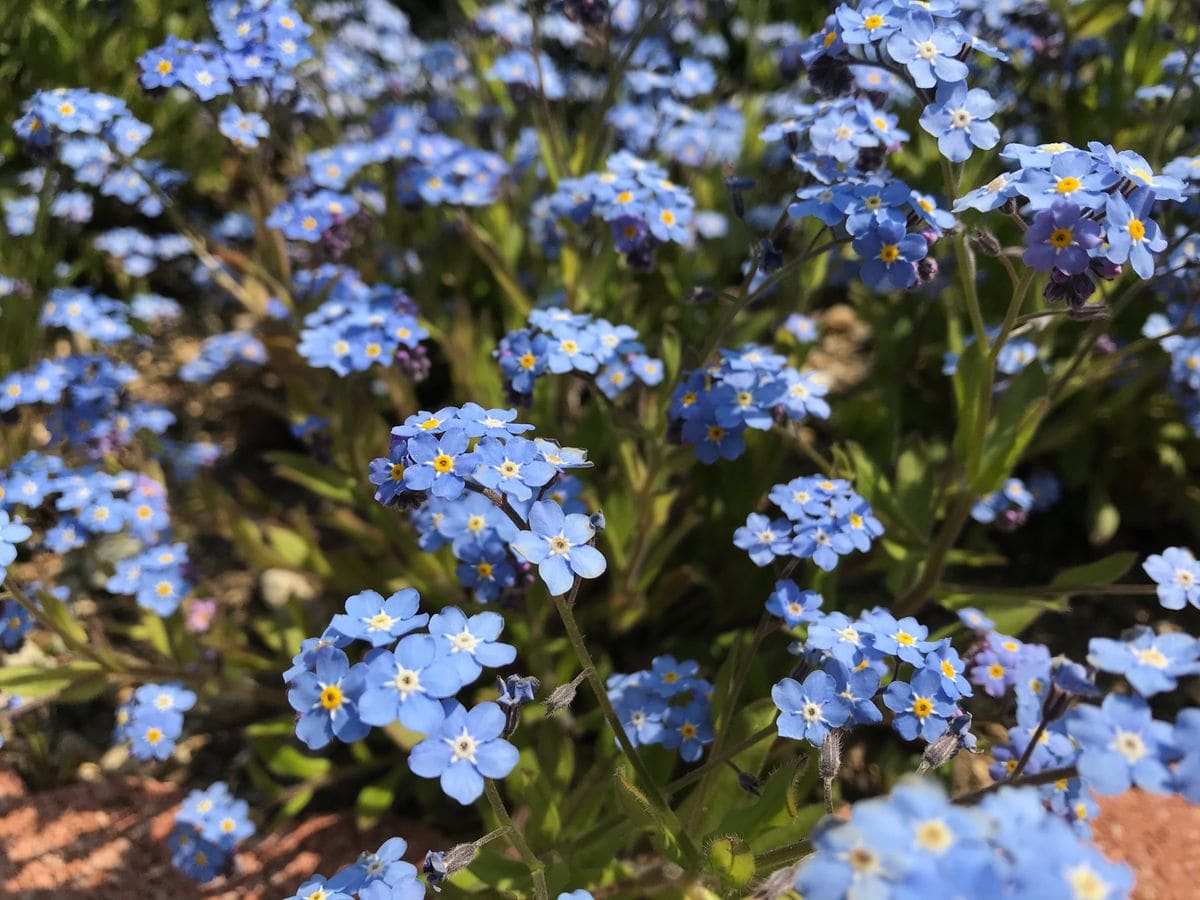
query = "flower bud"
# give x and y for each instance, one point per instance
(985, 242)
(564, 695)
(829, 763)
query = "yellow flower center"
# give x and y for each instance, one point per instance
(872, 22)
(528, 361)
(935, 836)
(1061, 238)
(889, 253)
(922, 707)
(1137, 229)
(484, 570)
(443, 463)
(331, 697)
(1067, 185)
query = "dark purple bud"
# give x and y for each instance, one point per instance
(830, 76)
(771, 259)
(927, 269)
(1105, 268)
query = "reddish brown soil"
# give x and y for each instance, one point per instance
(1158, 836)
(105, 841)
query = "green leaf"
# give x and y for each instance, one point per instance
(62, 620)
(1103, 571)
(322, 480)
(38, 681)
(286, 761)
(375, 799)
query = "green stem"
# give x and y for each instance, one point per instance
(596, 683)
(517, 839)
(729, 707)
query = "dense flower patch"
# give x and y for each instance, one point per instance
(390, 407)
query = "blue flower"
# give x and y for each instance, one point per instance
(1187, 738)
(388, 473)
(370, 618)
(327, 701)
(523, 357)
(792, 604)
(890, 253)
(669, 677)
(763, 538)
(922, 707)
(11, 534)
(1071, 176)
(926, 51)
(559, 546)
(946, 662)
(688, 728)
(1177, 573)
(808, 711)
(407, 685)
(319, 888)
(1130, 233)
(438, 464)
(873, 22)
(1150, 663)
(904, 638)
(858, 688)
(641, 712)
(165, 697)
(958, 118)
(471, 643)
(465, 750)
(513, 467)
(244, 129)
(1060, 238)
(495, 423)
(823, 547)
(1120, 745)
(485, 569)
(840, 635)
(153, 732)
(426, 422)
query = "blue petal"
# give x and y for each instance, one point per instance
(462, 782)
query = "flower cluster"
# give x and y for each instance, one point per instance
(382, 875)
(1184, 372)
(751, 387)
(90, 407)
(460, 462)
(87, 504)
(411, 677)
(850, 658)
(1091, 212)
(823, 520)
(1009, 845)
(153, 719)
(208, 827)
(642, 207)
(557, 341)
(667, 704)
(358, 326)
